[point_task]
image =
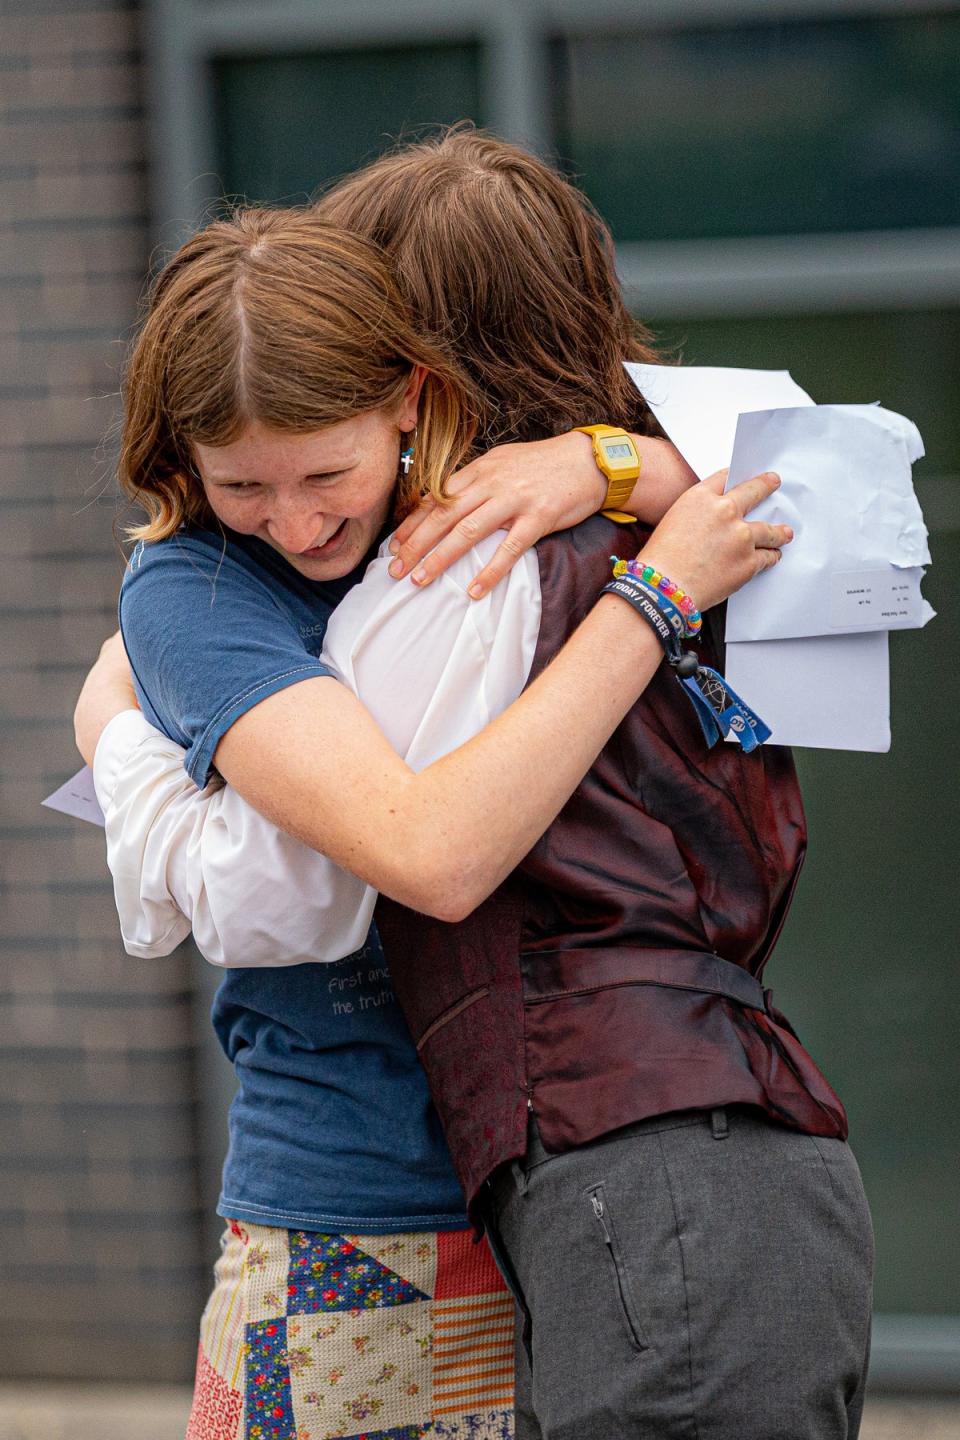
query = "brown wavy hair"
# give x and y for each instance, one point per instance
(506, 262)
(280, 317)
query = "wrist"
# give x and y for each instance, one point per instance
(617, 458)
(635, 641)
(94, 713)
(594, 479)
(679, 606)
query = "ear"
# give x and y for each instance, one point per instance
(410, 404)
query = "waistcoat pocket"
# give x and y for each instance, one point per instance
(452, 1013)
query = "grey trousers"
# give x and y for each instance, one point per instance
(700, 1276)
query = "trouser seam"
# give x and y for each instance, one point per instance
(683, 1272)
(823, 1162)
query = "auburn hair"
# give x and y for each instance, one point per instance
(280, 317)
(509, 264)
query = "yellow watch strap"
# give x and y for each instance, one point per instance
(619, 487)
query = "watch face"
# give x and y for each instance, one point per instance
(619, 454)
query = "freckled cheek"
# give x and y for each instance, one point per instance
(376, 499)
(246, 519)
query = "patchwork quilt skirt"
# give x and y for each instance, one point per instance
(310, 1336)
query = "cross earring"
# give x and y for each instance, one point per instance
(406, 454)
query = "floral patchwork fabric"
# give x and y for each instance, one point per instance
(310, 1336)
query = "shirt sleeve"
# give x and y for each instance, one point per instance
(183, 858)
(432, 666)
(207, 639)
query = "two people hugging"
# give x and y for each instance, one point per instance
(330, 745)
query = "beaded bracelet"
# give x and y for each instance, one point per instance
(657, 581)
(720, 710)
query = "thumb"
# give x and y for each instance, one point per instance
(716, 481)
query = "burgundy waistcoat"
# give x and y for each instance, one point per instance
(614, 975)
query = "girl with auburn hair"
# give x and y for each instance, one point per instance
(213, 354)
(333, 1148)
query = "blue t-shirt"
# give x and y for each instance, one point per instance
(332, 1127)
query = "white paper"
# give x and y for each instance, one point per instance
(77, 798)
(699, 405)
(831, 692)
(876, 599)
(860, 543)
(828, 692)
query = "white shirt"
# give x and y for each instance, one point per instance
(433, 667)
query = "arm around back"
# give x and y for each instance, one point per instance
(313, 760)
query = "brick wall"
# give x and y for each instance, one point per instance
(99, 1226)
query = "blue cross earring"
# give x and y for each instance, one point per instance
(406, 454)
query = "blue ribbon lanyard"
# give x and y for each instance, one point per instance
(720, 710)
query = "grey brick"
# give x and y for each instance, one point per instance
(86, 367)
(41, 690)
(92, 581)
(36, 1023)
(37, 8)
(46, 1086)
(85, 917)
(52, 966)
(99, 1230)
(45, 636)
(47, 861)
(67, 195)
(79, 1300)
(56, 1239)
(34, 749)
(97, 1347)
(85, 32)
(76, 419)
(107, 249)
(113, 82)
(22, 815)
(88, 141)
(63, 526)
(42, 470)
(31, 306)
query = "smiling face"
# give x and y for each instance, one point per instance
(320, 499)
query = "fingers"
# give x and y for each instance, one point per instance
(467, 476)
(407, 550)
(457, 537)
(433, 526)
(767, 536)
(766, 559)
(406, 529)
(515, 543)
(747, 496)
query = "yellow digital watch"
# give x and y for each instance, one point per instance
(619, 460)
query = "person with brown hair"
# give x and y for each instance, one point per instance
(494, 788)
(512, 268)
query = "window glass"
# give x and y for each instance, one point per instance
(866, 966)
(286, 123)
(827, 125)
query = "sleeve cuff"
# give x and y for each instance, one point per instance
(121, 736)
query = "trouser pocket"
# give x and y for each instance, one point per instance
(606, 1230)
